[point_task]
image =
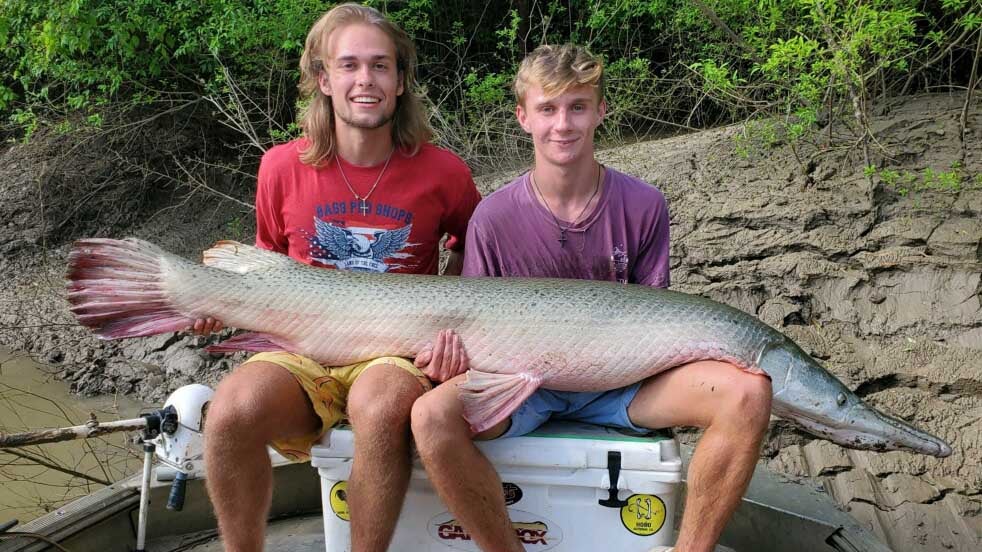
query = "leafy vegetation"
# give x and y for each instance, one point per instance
(906, 182)
(672, 63)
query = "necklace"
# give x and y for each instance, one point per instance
(364, 200)
(563, 229)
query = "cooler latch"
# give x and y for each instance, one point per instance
(614, 473)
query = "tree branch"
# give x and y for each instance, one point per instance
(42, 462)
(972, 81)
(737, 39)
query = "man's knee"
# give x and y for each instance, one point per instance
(235, 404)
(249, 402)
(426, 414)
(750, 400)
(383, 397)
(433, 422)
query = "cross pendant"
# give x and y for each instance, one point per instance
(363, 208)
(562, 238)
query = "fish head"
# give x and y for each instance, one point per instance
(813, 398)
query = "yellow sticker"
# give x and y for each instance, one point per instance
(339, 500)
(644, 514)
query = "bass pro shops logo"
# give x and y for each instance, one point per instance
(535, 532)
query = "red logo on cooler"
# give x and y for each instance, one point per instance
(529, 533)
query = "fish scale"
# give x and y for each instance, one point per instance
(520, 334)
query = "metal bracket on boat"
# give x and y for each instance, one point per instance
(163, 420)
(614, 473)
(157, 421)
(174, 433)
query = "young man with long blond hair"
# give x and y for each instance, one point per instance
(571, 217)
(361, 190)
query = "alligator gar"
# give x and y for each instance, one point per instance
(520, 333)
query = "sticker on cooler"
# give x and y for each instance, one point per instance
(339, 500)
(644, 514)
(535, 531)
(513, 493)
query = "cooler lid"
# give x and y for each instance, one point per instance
(562, 445)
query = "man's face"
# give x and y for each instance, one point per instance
(562, 126)
(361, 77)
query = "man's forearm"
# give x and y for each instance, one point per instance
(455, 264)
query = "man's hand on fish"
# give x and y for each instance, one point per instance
(205, 326)
(443, 359)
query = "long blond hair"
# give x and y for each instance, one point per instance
(410, 124)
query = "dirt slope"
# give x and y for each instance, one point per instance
(884, 288)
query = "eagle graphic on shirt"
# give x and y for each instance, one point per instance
(355, 248)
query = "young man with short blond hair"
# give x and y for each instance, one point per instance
(361, 190)
(571, 217)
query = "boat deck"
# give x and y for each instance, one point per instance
(775, 515)
(296, 534)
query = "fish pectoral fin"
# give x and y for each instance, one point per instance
(241, 258)
(490, 398)
(254, 342)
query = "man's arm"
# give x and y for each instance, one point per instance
(446, 357)
(268, 235)
(652, 267)
(455, 263)
(465, 199)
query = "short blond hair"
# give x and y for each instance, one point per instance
(557, 68)
(410, 124)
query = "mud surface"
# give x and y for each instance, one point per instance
(882, 286)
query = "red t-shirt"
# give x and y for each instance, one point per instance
(310, 214)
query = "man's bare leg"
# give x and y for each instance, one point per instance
(462, 476)
(734, 406)
(258, 403)
(379, 404)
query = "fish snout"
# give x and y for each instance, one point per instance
(944, 450)
(878, 431)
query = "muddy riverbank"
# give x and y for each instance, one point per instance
(879, 278)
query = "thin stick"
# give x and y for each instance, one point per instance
(929, 63)
(858, 96)
(42, 462)
(92, 429)
(711, 15)
(972, 81)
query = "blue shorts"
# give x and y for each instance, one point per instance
(606, 408)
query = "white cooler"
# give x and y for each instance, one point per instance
(556, 482)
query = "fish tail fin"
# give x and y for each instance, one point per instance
(252, 341)
(116, 288)
(490, 398)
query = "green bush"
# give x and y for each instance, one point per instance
(64, 56)
(672, 63)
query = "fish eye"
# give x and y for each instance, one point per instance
(840, 399)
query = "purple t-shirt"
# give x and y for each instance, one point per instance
(624, 239)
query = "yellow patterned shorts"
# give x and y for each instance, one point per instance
(328, 389)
